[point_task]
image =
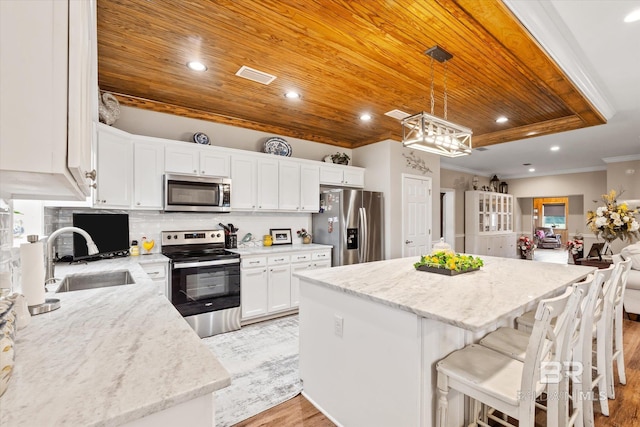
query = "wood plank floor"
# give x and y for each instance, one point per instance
(624, 410)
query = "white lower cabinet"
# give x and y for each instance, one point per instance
(268, 287)
(157, 271)
(305, 266)
(254, 289)
(279, 283)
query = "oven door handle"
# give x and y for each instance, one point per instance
(179, 265)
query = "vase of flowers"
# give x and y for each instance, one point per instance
(575, 248)
(613, 221)
(526, 247)
(305, 236)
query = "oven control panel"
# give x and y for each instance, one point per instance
(170, 238)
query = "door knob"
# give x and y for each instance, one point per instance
(408, 241)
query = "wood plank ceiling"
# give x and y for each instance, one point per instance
(345, 57)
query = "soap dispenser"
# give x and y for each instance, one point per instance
(135, 249)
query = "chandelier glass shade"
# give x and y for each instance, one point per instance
(427, 132)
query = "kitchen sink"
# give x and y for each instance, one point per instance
(81, 281)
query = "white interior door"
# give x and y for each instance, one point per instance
(416, 215)
(449, 216)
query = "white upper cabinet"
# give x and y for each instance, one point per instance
(148, 170)
(346, 176)
(115, 166)
(289, 186)
(309, 188)
(49, 98)
(244, 184)
(190, 159)
(267, 184)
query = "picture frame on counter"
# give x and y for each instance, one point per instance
(281, 236)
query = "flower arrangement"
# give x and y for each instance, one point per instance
(613, 221)
(303, 233)
(450, 261)
(575, 245)
(526, 246)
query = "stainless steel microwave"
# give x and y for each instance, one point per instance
(186, 193)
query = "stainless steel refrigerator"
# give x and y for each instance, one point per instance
(351, 221)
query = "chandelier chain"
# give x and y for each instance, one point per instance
(445, 91)
(433, 100)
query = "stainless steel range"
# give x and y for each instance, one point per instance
(205, 280)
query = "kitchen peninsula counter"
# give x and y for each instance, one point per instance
(386, 324)
(110, 356)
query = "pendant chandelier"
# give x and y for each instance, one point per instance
(433, 134)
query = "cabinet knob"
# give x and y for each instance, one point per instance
(253, 207)
(408, 241)
(91, 175)
(94, 186)
(138, 203)
(259, 207)
(195, 171)
(202, 172)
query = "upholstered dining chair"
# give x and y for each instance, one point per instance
(506, 384)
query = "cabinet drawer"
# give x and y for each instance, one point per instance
(321, 255)
(301, 257)
(155, 271)
(279, 259)
(254, 262)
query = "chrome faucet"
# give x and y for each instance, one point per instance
(50, 267)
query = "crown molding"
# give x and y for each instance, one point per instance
(559, 172)
(546, 26)
(618, 159)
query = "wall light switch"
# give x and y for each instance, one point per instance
(338, 325)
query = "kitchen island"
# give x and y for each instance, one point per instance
(119, 355)
(370, 334)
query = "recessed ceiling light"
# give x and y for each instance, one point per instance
(555, 148)
(196, 66)
(502, 119)
(532, 133)
(292, 95)
(365, 117)
(532, 169)
(633, 16)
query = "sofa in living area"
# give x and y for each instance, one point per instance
(546, 238)
(632, 293)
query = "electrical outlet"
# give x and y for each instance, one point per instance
(338, 325)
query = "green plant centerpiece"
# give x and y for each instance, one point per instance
(449, 263)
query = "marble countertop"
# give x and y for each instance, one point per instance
(503, 287)
(107, 356)
(276, 249)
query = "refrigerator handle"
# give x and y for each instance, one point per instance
(364, 241)
(360, 235)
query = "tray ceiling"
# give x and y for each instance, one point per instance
(345, 58)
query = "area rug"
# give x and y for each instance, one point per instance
(263, 362)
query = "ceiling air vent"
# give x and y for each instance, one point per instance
(255, 75)
(397, 114)
(481, 149)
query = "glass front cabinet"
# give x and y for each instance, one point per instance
(489, 224)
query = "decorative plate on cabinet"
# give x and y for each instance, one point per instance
(277, 146)
(200, 138)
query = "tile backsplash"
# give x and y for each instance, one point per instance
(150, 224)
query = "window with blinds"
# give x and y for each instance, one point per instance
(553, 215)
